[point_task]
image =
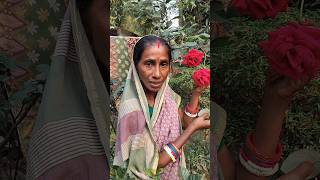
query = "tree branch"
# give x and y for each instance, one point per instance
(19, 120)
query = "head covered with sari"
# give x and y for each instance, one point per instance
(141, 134)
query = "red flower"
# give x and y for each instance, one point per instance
(201, 77)
(260, 9)
(293, 50)
(193, 58)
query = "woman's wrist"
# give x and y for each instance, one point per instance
(195, 94)
(191, 128)
(194, 100)
(273, 101)
(278, 95)
(269, 124)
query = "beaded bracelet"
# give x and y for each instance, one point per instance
(174, 150)
(256, 160)
(169, 152)
(193, 111)
(252, 149)
(255, 169)
(257, 163)
(189, 114)
(179, 152)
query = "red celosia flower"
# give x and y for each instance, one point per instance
(293, 50)
(201, 77)
(260, 9)
(193, 58)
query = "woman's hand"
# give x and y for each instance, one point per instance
(201, 122)
(283, 87)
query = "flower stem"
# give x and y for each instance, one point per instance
(205, 58)
(301, 10)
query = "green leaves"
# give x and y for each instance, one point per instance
(140, 17)
(189, 44)
(300, 156)
(19, 96)
(118, 172)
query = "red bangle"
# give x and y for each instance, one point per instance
(253, 158)
(179, 152)
(192, 111)
(252, 149)
(247, 155)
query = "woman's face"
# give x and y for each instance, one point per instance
(153, 67)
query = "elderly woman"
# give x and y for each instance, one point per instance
(149, 135)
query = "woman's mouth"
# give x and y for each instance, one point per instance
(155, 85)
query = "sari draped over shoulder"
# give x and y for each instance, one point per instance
(70, 139)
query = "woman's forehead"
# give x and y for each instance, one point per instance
(154, 49)
(156, 44)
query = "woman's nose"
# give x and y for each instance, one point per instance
(156, 72)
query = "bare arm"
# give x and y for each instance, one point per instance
(193, 104)
(201, 122)
(278, 95)
(190, 125)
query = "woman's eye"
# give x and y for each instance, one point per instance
(164, 64)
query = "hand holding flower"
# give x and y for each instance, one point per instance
(283, 87)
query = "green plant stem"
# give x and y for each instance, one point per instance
(11, 113)
(301, 10)
(205, 58)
